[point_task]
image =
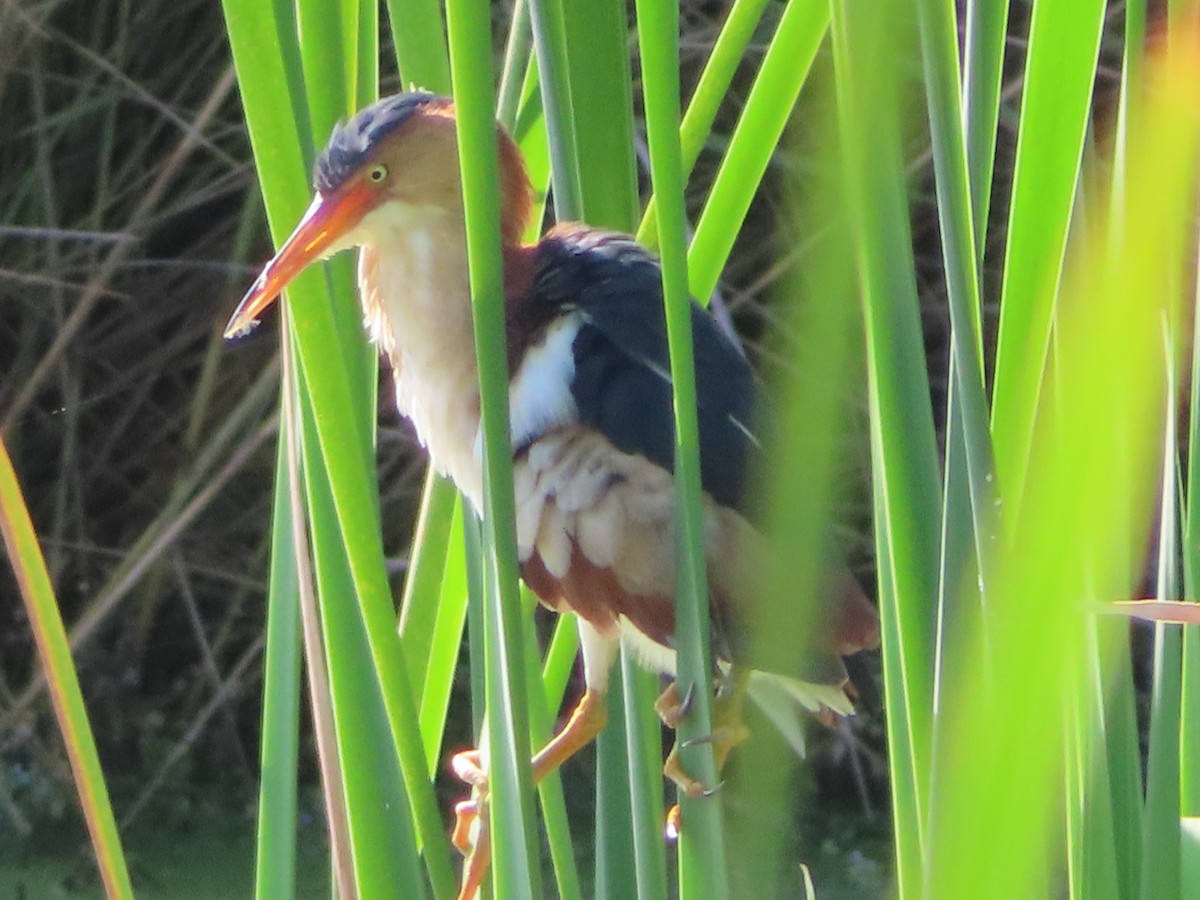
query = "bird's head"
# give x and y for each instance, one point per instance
(399, 154)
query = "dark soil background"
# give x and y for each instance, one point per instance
(130, 224)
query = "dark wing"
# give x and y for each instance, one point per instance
(622, 383)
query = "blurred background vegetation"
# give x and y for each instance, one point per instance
(130, 223)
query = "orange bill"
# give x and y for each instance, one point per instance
(327, 219)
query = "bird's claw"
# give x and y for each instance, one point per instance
(468, 768)
(472, 832)
(671, 708)
(465, 835)
(673, 769)
(476, 836)
(728, 731)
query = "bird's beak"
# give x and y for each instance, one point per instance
(328, 218)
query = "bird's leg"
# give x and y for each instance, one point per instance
(472, 836)
(472, 825)
(471, 833)
(728, 730)
(587, 720)
(471, 830)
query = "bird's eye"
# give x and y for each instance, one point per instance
(377, 174)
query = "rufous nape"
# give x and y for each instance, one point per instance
(591, 420)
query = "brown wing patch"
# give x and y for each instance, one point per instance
(856, 625)
(596, 595)
(596, 532)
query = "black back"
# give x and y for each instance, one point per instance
(622, 384)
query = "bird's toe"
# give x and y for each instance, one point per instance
(468, 768)
(671, 707)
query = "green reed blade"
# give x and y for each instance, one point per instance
(420, 39)
(550, 48)
(983, 68)
(275, 856)
(629, 808)
(903, 451)
(33, 580)
(768, 108)
(514, 844)
(702, 864)
(1093, 473)
(727, 54)
(1059, 73)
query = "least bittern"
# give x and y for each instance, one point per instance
(590, 409)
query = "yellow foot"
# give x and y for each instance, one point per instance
(728, 731)
(671, 708)
(472, 835)
(468, 768)
(673, 769)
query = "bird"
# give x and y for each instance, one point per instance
(590, 411)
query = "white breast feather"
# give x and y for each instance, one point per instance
(539, 397)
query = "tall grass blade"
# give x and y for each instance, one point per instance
(445, 637)
(907, 503)
(275, 854)
(1115, 706)
(795, 493)
(768, 108)
(996, 828)
(629, 794)
(970, 513)
(518, 62)
(550, 48)
(514, 844)
(614, 876)
(702, 864)
(1160, 835)
(939, 52)
(333, 787)
(1190, 713)
(986, 34)
(1059, 71)
(602, 103)
(1115, 684)
(727, 54)
(337, 375)
(33, 580)
(267, 61)
(643, 742)
(420, 40)
(1184, 19)
(384, 852)
(1162, 850)
(437, 532)
(382, 843)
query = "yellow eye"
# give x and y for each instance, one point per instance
(377, 174)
